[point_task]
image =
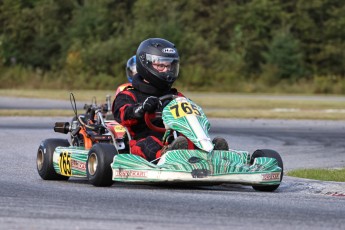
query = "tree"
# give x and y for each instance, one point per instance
(285, 57)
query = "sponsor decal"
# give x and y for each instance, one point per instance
(130, 173)
(102, 137)
(271, 176)
(119, 128)
(78, 165)
(168, 50)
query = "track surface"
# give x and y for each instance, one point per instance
(27, 202)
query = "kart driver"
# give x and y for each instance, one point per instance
(131, 70)
(157, 62)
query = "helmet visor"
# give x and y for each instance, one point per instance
(132, 70)
(160, 64)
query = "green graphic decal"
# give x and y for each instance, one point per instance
(72, 161)
(187, 118)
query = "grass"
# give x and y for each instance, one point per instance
(224, 105)
(337, 175)
(80, 95)
(265, 101)
(36, 113)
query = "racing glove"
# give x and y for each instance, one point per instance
(149, 105)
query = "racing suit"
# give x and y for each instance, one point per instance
(145, 142)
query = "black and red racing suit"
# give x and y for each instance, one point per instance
(145, 142)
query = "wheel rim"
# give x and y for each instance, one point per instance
(40, 160)
(92, 165)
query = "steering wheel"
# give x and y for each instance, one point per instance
(150, 116)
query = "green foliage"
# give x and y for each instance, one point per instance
(284, 59)
(250, 46)
(320, 174)
(328, 84)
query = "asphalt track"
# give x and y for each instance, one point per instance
(28, 202)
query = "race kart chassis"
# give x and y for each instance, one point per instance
(182, 166)
(100, 153)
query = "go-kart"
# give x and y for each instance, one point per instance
(102, 154)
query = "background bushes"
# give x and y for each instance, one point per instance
(238, 46)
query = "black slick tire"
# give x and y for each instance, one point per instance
(44, 160)
(98, 167)
(272, 154)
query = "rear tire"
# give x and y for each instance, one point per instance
(98, 163)
(272, 154)
(44, 160)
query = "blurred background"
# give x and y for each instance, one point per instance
(266, 46)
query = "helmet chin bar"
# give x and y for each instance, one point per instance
(162, 81)
(169, 78)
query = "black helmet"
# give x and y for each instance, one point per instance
(155, 52)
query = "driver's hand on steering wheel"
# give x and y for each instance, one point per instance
(151, 104)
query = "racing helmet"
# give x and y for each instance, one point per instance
(155, 52)
(131, 68)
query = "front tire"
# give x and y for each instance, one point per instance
(44, 160)
(98, 163)
(272, 154)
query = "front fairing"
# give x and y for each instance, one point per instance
(186, 117)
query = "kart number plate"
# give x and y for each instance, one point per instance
(65, 164)
(182, 109)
